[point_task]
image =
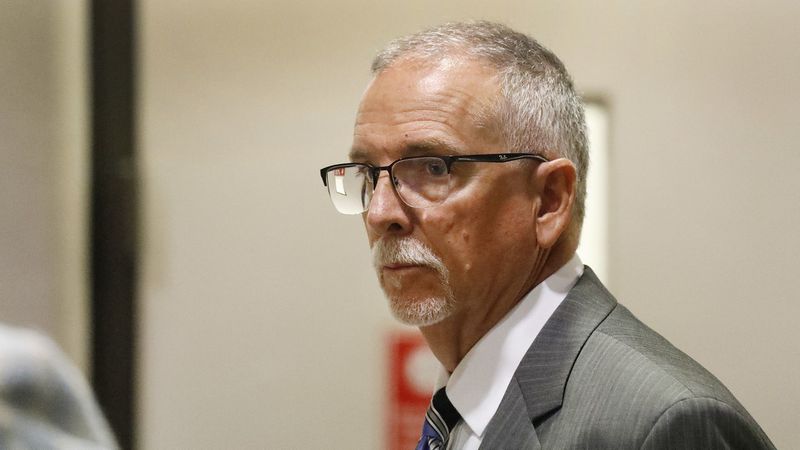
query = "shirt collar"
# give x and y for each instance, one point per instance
(478, 383)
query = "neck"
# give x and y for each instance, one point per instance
(451, 339)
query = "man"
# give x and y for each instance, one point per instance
(468, 165)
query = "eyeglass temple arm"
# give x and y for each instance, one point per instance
(490, 158)
(498, 158)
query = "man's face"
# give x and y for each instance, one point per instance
(475, 250)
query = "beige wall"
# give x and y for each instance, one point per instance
(43, 169)
(262, 325)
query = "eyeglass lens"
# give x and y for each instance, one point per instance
(350, 189)
(420, 183)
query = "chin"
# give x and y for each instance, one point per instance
(421, 312)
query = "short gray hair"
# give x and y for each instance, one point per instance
(539, 110)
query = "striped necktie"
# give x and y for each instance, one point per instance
(439, 422)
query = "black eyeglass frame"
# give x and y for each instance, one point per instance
(375, 171)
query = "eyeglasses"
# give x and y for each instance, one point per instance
(420, 181)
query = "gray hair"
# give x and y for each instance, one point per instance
(539, 110)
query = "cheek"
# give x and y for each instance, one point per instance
(462, 239)
(454, 237)
(476, 232)
(494, 238)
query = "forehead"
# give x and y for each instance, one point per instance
(418, 107)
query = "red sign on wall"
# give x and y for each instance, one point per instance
(412, 371)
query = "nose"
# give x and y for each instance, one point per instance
(386, 213)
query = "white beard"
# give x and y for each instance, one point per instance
(414, 311)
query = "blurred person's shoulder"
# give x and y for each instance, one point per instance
(24, 349)
(45, 401)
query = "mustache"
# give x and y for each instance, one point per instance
(405, 250)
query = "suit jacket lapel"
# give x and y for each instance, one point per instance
(537, 388)
(510, 427)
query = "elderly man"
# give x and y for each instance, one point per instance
(468, 166)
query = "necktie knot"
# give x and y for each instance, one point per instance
(440, 419)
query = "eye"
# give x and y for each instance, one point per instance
(435, 167)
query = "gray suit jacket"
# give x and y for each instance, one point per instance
(598, 378)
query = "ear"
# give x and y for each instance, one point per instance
(555, 182)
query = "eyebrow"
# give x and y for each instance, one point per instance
(429, 146)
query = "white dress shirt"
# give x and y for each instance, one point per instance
(480, 380)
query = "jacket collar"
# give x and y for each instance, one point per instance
(541, 377)
(543, 372)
